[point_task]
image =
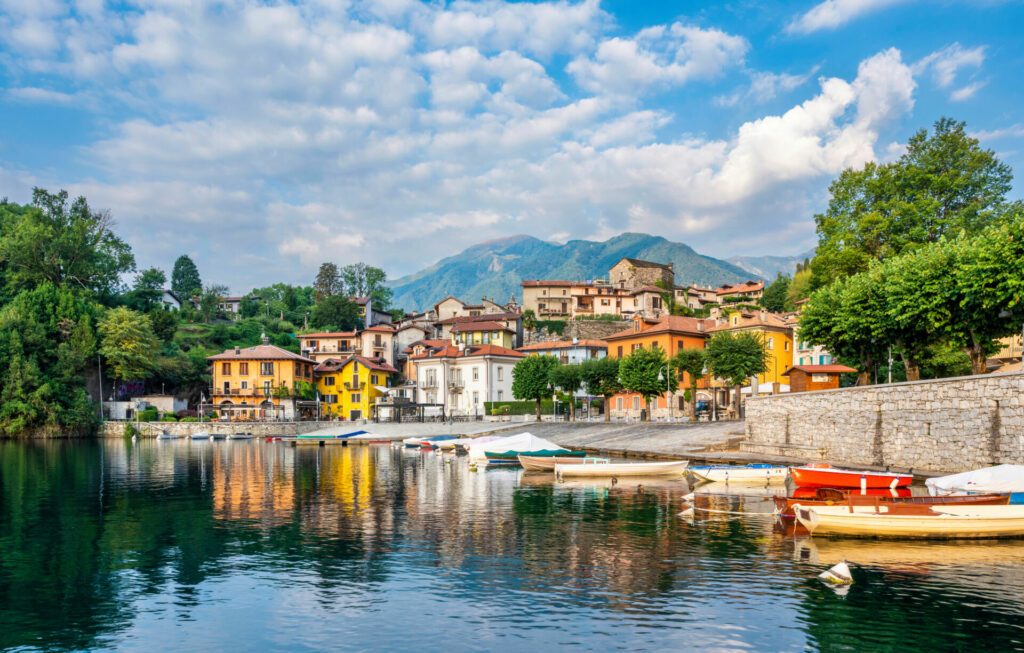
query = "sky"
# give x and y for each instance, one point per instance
(263, 138)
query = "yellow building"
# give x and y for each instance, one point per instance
(483, 333)
(258, 382)
(350, 387)
(777, 335)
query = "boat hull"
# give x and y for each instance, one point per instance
(827, 477)
(544, 453)
(674, 468)
(784, 505)
(923, 522)
(547, 463)
(746, 474)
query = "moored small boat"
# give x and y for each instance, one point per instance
(547, 463)
(834, 477)
(168, 436)
(670, 468)
(784, 505)
(201, 435)
(540, 453)
(753, 473)
(895, 520)
(239, 436)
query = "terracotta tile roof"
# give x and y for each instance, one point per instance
(820, 369)
(451, 351)
(539, 283)
(564, 344)
(643, 289)
(338, 364)
(461, 327)
(382, 328)
(429, 343)
(259, 352)
(647, 264)
(360, 301)
(668, 324)
(740, 288)
(753, 320)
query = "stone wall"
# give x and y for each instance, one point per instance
(947, 425)
(259, 429)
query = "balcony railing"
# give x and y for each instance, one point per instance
(242, 392)
(428, 383)
(349, 385)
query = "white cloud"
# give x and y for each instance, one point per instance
(668, 56)
(1013, 131)
(764, 87)
(41, 95)
(946, 63)
(966, 92)
(831, 14)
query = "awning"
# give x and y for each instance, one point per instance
(382, 389)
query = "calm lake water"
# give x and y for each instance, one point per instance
(259, 546)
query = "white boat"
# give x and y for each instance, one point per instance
(747, 474)
(240, 436)
(520, 443)
(449, 445)
(671, 468)
(913, 521)
(1001, 479)
(547, 463)
(202, 435)
(168, 436)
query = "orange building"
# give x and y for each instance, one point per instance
(671, 334)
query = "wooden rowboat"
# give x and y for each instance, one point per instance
(671, 468)
(784, 505)
(824, 476)
(755, 473)
(896, 520)
(547, 463)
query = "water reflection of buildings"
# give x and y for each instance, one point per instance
(251, 482)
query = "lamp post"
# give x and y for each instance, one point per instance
(202, 400)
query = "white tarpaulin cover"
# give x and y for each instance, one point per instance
(998, 479)
(520, 442)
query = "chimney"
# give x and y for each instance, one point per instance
(264, 339)
(762, 315)
(700, 325)
(238, 351)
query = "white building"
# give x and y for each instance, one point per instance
(463, 379)
(170, 301)
(569, 352)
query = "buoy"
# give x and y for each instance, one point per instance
(837, 575)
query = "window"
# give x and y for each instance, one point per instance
(620, 351)
(375, 380)
(679, 345)
(245, 385)
(267, 369)
(636, 403)
(735, 320)
(356, 397)
(328, 380)
(225, 369)
(605, 302)
(227, 387)
(476, 398)
(501, 373)
(266, 389)
(618, 403)
(785, 345)
(330, 399)
(771, 343)
(636, 346)
(243, 369)
(476, 374)
(654, 346)
(500, 393)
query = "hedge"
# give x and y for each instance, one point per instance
(552, 326)
(528, 407)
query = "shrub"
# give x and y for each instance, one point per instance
(130, 430)
(150, 414)
(168, 418)
(189, 419)
(526, 407)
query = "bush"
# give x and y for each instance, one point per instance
(552, 326)
(168, 418)
(526, 407)
(189, 419)
(186, 413)
(150, 414)
(130, 430)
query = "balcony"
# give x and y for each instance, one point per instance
(428, 383)
(242, 392)
(455, 385)
(350, 385)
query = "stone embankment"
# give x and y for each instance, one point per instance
(716, 441)
(273, 429)
(945, 425)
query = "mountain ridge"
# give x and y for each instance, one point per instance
(496, 268)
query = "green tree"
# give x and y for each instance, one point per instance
(692, 362)
(643, 372)
(800, 286)
(568, 379)
(128, 344)
(601, 378)
(148, 289)
(736, 357)
(336, 313)
(361, 280)
(531, 379)
(529, 320)
(776, 295)
(209, 301)
(944, 183)
(164, 324)
(328, 281)
(65, 244)
(185, 280)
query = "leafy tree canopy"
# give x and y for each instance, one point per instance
(736, 357)
(185, 279)
(776, 295)
(128, 344)
(336, 313)
(640, 372)
(531, 379)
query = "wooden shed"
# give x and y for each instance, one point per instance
(805, 378)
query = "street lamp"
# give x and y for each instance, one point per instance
(1005, 315)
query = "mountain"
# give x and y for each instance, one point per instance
(496, 268)
(769, 267)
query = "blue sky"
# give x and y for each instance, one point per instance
(263, 138)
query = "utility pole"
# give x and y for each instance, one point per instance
(99, 366)
(890, 363)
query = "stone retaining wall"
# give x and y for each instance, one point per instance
(185, 429)
(947, 425)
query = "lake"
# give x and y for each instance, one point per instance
(248, 545)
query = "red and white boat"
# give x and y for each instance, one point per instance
(828, 476)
